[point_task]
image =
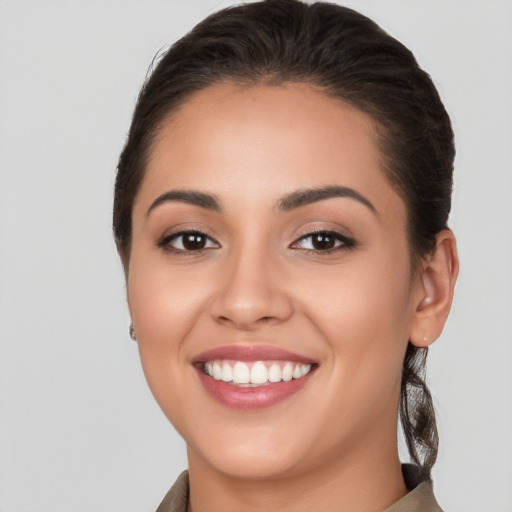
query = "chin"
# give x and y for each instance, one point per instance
(253, 458)
(255, 466)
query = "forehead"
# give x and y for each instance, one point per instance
(264, 141)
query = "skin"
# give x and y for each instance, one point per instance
(351, 310)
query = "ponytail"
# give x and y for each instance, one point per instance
(416, 410)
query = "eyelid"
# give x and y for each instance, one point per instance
(165, 241)
(347, 242)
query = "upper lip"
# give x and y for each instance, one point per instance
(250, 353)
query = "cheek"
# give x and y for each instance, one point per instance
(166, 305)
(164, 300)
(363, 297)
(364, 314)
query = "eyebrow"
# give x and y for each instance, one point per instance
(303, 197)
(194, 197)
(297, 199)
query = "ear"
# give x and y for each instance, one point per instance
(434, 290)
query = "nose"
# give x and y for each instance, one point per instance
(251, 294)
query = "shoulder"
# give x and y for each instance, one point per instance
(176, 500)
(419, 499)
(421, 495)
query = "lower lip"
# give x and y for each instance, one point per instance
(251, 398)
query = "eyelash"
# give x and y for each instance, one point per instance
(342, 242)
(165, 243)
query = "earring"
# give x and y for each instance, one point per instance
(132, 333)
(425, 339)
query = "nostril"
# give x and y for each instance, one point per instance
(247, 324)
(247, 308)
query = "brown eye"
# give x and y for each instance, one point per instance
(188, 241)
(193, 241)
(324, 241)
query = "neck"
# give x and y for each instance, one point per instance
(368, 482)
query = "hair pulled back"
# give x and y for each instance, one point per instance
(348, 57)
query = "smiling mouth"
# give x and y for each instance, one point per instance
(252, 377)
(256, 373)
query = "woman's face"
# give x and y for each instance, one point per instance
(268, 245)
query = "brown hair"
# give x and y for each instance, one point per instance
(349, 57)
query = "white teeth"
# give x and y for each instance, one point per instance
(241, 373)
(296, 372)
(227, 372)
(257, 373)
(217, 371)
(304, 369)
(287, 372)
(274, 373)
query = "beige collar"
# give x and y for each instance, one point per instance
(419, 499)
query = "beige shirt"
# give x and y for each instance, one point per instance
(419, 499)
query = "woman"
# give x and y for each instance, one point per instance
(281, 214)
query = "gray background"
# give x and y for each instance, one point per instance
(78, 428)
